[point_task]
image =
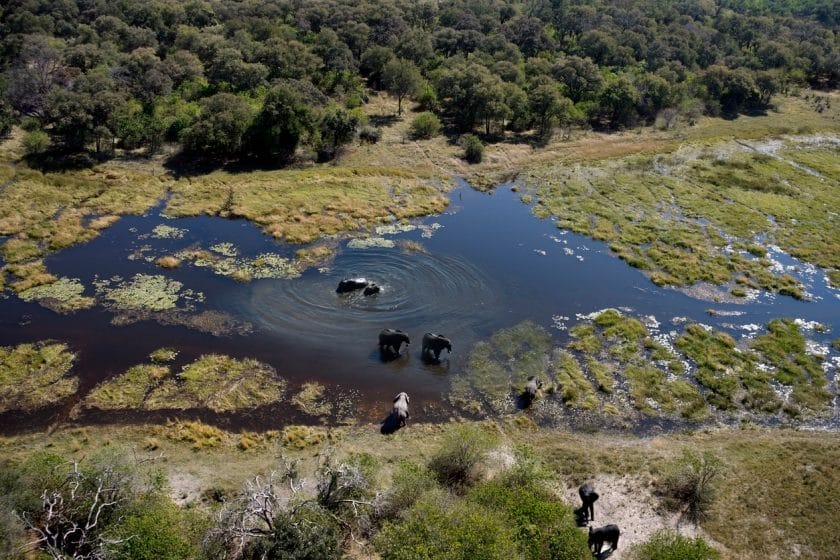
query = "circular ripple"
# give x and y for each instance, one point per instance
(418, 289)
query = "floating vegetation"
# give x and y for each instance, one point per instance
(29, 275)
(225, 249)
(64, 295)
(163, 355)
(163, 231)
(35, 375)
(301, 437)
(220, 383)
(145, 292)
(370, 243)
(210, 321)
(311, 400)
(410, 246)
(394, 229)
(265, 265)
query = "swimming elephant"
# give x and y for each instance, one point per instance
(371, 289)
(435, 343)
(350, 285)
(390, 340)
(400, 409)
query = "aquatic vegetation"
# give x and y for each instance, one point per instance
(163, 355)
(64, 295)
(316, 255)
(603, 374)
(128, 390)
(35, 375)
(575, 388)
(225, 249)
(17, 250)
(164, 231)
(208, 321)
(168, 261)
(29, 275)
(310, 399)
(301, 437)
(220, 383)
(675, 215)
(370, 242)
(783, 347)
(265, 265)
(144, 292)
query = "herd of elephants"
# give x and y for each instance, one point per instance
(390, 343)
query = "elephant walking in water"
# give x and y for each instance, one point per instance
(435, 344)
(390, 341)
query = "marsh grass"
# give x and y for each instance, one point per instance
(142, 292)
(220, 383)
(301, 437)
(35, 375)
(198, 435)
(163, 355)
(311, 399)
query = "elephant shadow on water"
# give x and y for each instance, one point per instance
(387, 356)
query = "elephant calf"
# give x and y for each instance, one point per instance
(533, 385)
(351, 284)
(400, 409)
(607, 533)
(435, 344)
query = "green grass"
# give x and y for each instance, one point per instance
(35, 375)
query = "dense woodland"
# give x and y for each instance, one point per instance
(262, 78)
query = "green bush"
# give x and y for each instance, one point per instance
(473, 148)
(36, 142)
(436, 528)
(410, 482)
(425, 125)
(670, 545)
(307, 534)
(568, 543)
(463, 447)
(370, 134)
(536, 517)
(691, 483)
(155, 529)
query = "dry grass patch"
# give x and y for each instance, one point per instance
(301, 437)
(199, 435)
(311, 399)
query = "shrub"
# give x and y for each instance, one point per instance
(670, 545)
(308, 533)
(425, 125)
(370, 134)
(427, 98)
(691, 484)
(473, 148)
(568, 543)
(36, 142)
(154, 529)
(410, 482)
(462, 448)
(436, 528)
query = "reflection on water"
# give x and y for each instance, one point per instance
(484, 265)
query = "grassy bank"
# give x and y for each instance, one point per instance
(778, 493)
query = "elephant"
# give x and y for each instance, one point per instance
(390, 340)
(435, 343)
(350, 285)
(588, 496)
(533, 385)
(400, 409)
(371, 289)
(607, 533)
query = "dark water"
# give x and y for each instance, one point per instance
(488, 264)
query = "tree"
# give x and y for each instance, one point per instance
(617, 102)
(39, 70)
(374, 61)
(337, 127)
(285, 118)
(401, 78)
(220, 127)
(6, 117)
